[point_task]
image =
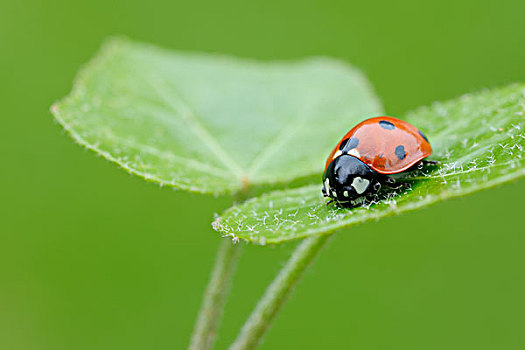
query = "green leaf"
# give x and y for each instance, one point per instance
(478, 138)
(210, 123)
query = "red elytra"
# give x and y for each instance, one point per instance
(387, 145)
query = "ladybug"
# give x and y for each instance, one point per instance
(368, 155)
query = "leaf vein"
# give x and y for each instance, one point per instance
(189, 116)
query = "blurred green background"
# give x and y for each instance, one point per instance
(93, 258)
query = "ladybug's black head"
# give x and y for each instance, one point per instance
(347, 178)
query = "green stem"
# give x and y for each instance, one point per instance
(276, 294)
(215, 296)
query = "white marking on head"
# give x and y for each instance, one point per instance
(354, 152)
(334, 194)
(327, 185)
(360, 184)
(345, 193)
(337, 154)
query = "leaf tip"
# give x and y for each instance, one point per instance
(117, 40)
(54, 108)
(216, 225)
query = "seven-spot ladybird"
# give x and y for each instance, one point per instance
(365, 157)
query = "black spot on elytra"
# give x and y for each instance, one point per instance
(349, 144)
(385, 124)
(422, 135)
(400, 152)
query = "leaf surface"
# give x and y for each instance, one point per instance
(210, 123)
(479, 140)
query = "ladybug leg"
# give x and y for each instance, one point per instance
(399, 185)
(330, 202)
(395, 184)
(429, 162)
(390, 180)
(392, 183)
